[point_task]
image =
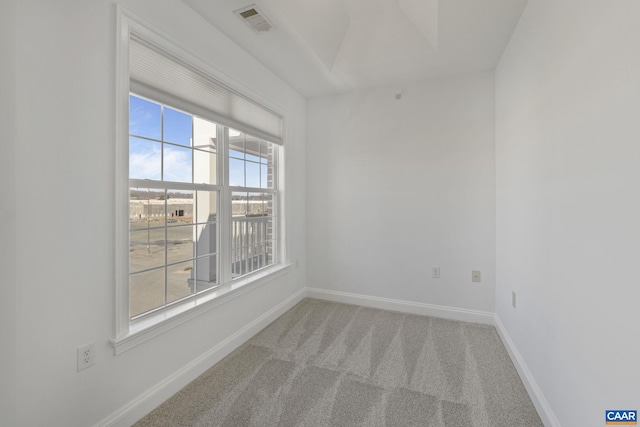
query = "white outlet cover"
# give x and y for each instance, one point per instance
(476, 276)
(86, 356)
(435, 272)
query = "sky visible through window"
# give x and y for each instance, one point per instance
(145, 155)
(153, 124)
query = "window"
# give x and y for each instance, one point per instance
(198, 202)
(251, 176)
(173, 218)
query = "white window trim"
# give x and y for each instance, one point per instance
(129, 334)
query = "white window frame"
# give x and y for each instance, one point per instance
(130, 333)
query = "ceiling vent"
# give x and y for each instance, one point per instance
(254, 18)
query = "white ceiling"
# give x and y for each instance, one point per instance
(328, 46)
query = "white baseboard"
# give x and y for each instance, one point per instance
(152, 398)
(145, 403)
(539, 401)
(440, 311)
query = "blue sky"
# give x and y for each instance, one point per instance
(145, 120)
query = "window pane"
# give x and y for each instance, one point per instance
(252, 152)
(205, 167)
(239, 204)
(264, 151)
(146, 249)
(146, 291)
(204, 135)
(145, 159)
(252, 157)
(236, 144)
(253, 257)
(207, 236)
(179, 281)
(269, 203)
(270, 225)
(180, 207)
(264, 182)
(251, 232)
(234, 154)
(144, 118)
(236, 255)
(260, 259)
(177, 127)
(242, 261)
(252, 148)
(253, 174)
(138, 208)
(256, 205)
(207, 270)
(236, 172)
(180, 243)
(271, 252)
(146, 208)
(177, 164)
(207, 206)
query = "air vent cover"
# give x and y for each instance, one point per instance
(254, 18)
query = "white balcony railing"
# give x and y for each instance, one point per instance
(252, 246)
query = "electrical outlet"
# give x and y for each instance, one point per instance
(475, 276)
(435, 272)
(86, 356)
(513, 299)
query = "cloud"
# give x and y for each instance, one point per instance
(177, 164)
(144, 159)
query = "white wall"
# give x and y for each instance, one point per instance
(7, 214)
(65, 92)
(395, 187)
(568, 207)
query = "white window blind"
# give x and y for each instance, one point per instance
(160, 76)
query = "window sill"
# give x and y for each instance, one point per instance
(141, 330)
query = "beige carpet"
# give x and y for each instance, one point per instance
(329, 364)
